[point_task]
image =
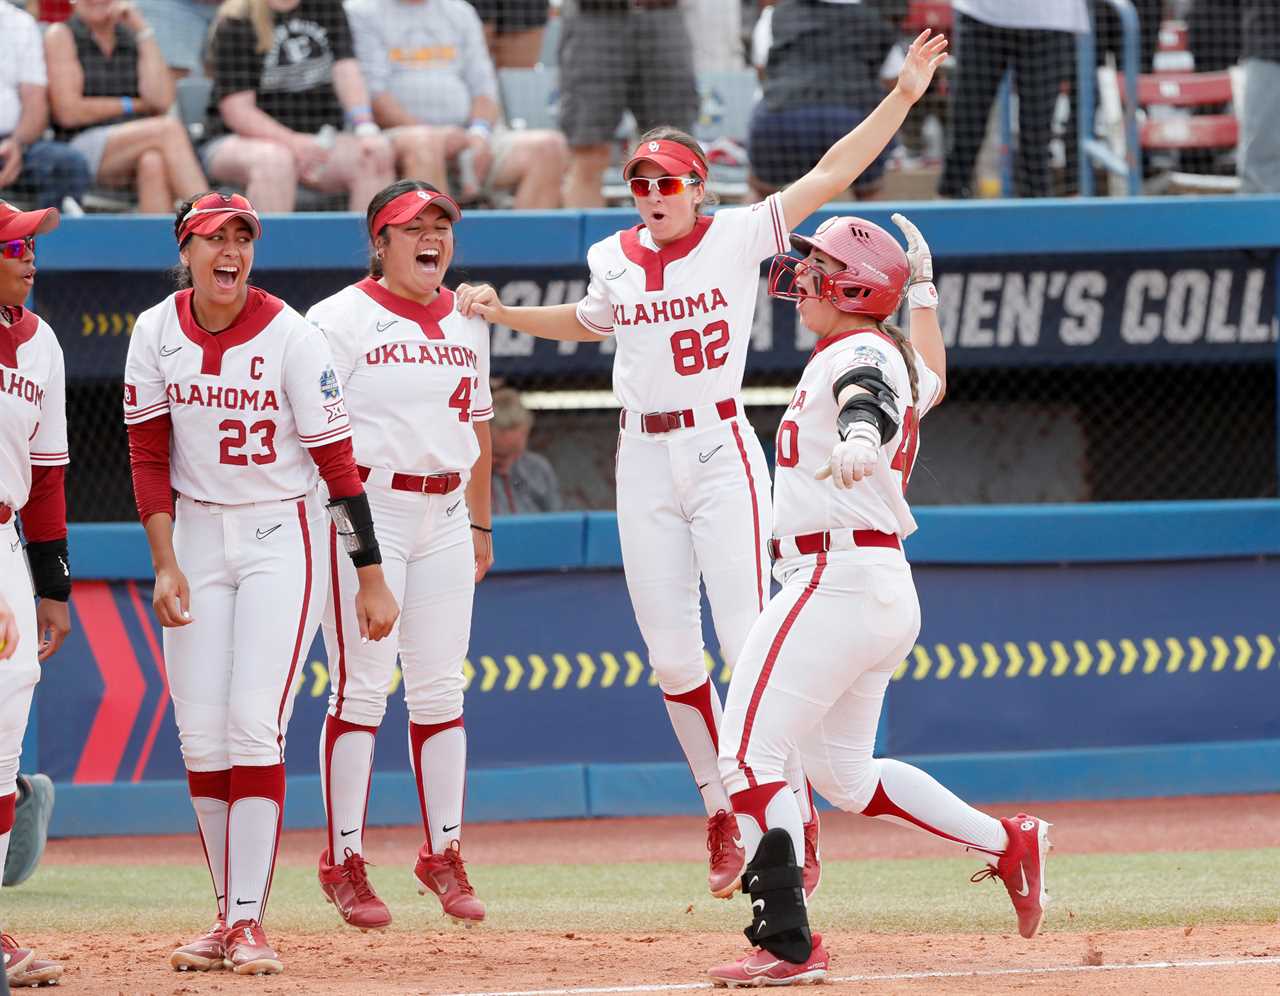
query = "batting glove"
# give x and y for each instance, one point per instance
(920, 293)
(853, 458)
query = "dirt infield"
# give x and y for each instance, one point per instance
(1229, 958)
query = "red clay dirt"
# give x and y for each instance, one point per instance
(488, 961)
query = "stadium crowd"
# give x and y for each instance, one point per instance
(315, 104)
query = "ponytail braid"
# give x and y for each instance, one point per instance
(908, 356)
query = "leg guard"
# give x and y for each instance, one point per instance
(780, 920)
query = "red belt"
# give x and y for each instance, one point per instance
(821, 542)
(432, 484)
(656, 423)
(6, 513)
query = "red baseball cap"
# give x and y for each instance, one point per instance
(15, 224)
(212, 211)
(409, 205)
(675, 158)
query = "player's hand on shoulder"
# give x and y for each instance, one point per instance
(376, 608)
(851, 460)
(53, 624)
(479, 301)
(172, 597)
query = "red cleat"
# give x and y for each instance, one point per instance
(812, 857)
(16, 959)
(248, 950)
(727, 856)
(760, 968)
(204, 953)
(37, 973)
(1021, 869)
(347, 887)
(446, 876)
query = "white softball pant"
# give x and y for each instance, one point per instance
(428, 561)
(814, 671)
(693, 502)
(18, 674)
(258, 584)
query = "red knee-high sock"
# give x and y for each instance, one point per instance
(438, 754)
(210, 798)
(346, 769)
(7, 805)
(764, 808)
(254, 817)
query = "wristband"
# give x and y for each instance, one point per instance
(50, 569)
(480, 127)
(482, 529)
(365, 129)
(922, 295)
(126, 105)
(362, 113)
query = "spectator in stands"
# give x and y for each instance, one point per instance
(1032, 39)
(432, 79)
(818, 87)
(617, 55)
(110, 93)
(44, 172)
(181, 29)
(513, 30)
(1259, 163)
(522, 481)
(285, 81)
(715, 30)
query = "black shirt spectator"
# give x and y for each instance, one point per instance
(113, 74)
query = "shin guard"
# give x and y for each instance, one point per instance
(775, 883)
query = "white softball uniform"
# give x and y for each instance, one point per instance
(416, 379)
(814, 670)
(250, 528)
(693, 496)
(33, 432)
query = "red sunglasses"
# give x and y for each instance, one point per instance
(668, 186)
(17, 248)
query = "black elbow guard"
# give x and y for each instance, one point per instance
(354, 523)
(878, 406)
(50, 569)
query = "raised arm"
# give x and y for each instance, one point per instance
(922, 299)
(844, 162)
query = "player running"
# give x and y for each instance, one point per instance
(678, 292)
(33, 460)
(813, 673)
(232, 402)
(415, 376)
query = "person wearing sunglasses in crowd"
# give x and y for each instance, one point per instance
(678, 292)
(812, 676)
(33, 460)
(415, 374)
(232, 402)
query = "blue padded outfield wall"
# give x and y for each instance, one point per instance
(1067, 651)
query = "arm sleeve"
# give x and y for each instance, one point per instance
(476, 63)
(337, 465)
(371, 50)
(48, 445)
(338, 29)
(313, 388)
(144, 386)
(482, 403)
(595, 310)
(236, 65)
(149, 466)
(758, 231)
(44, 517)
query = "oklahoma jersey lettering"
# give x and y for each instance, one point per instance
(415, 377)
(681, 314)
(246, 403)
(33, 414)
(807, 433)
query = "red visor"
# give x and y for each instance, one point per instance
(212, 211)
(409, 205)
(15, 224)
(676, 159)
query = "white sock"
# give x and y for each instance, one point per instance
(438, 753)
(4, 848)
(211, 816)
(346, 765)
(799, 786)
(910, 797)
(695, 717)
(253, 835)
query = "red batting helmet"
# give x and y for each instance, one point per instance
(875, 274)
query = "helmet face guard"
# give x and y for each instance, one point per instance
(792, 279)
(874, 276)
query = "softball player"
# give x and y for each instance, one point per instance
(678, 292)
(232, 402)
(33, 459)
(813, 673)
(415, 376)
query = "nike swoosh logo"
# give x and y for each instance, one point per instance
(758, 905)
(704, 457)
(453, 508)
(452, 828)
(169, 350)
(348, 833)
(703, 785)
(752, 884)
(615, 274)
(762, 968)
(14, 545)
(383, 326)
(759, 931)
(1025, 888)
(245, 902)
(264, 533)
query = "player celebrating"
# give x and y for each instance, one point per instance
(415, 375)
(33, 459)
(813, 673)
(232, 402)
(678, 291)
